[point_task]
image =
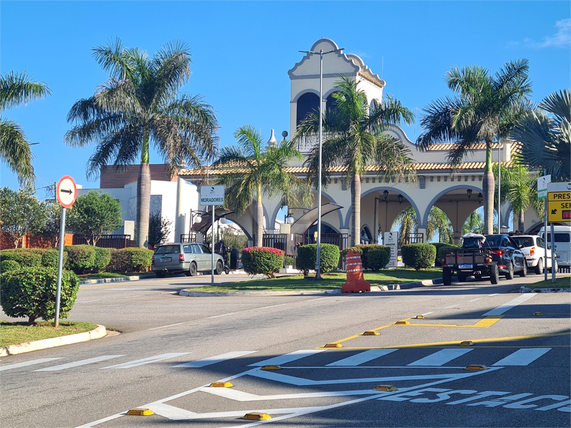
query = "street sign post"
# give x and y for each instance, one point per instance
(542, 183)
(212, 195)
(559, 202)
(66, 194)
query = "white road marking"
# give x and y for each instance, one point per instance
(27, 363)
(427, 313)
(509, 305)
(441, 357)
(79, 363)
(287, 358)
(147, 360)
(223, 315)
(216, 359)
(453, 306)
(272, 306)
(164, 326)
(362, 357)
(495, 294)
(522, 357)
(473, 300)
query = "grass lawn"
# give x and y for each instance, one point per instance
(20, 332)
(330, 281)
(564, 282)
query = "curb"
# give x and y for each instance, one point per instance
(138, 277)
(35, 345)
(524, 289)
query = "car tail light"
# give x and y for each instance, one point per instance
(181, 258)
(499, 252)
(532, 251)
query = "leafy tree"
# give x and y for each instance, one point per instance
(438, 221)
(546, 140)
(17, 89)
(473, 224)
(95, 214)
(159, 229)
(22, 214)
(354, 139)
(258, 171)
(51, 228)
(484, 110)
(137, 107)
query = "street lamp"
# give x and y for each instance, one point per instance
(320, 53)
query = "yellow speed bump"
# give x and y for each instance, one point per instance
(466, 343)
(257, 416)
(271, 367)
(221, 385)
(476, 367)
(333, 345)
(371, 333)
(403, 322)
(140, 412)
(419, 317)
(385, 388)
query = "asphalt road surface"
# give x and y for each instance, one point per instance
(466, 355)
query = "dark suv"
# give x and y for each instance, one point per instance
(506, 254)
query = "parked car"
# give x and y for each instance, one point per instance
(533, 248)
(187, 258)
(506, 253)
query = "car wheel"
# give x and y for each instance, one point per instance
(192, 269)
(510, 272)
(494, 274)
(447, 276)
(219, 268)
(539, 267)
(523, 271)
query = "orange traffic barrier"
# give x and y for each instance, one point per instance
(355, 280)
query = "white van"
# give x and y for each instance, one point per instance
(562, 244)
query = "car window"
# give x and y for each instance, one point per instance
(196, 249)
(492, 241)
(559, 237)
(540, 242)
(205, 249)
(187, 249)
(526, 242)
(168, 249)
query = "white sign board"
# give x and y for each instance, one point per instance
(391, 240)
(542, 183)
(211, 195)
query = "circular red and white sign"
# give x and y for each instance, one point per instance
(66, 191)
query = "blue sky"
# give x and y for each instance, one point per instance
(242, 51)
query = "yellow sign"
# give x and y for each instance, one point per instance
(559, 211)
(559, 196)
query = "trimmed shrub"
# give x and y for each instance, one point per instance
(9, 265)
(307, 257)
(262, 260)
(418, 256)
(290, 261)
(50, 258)
(130, 260)
(378, 258)
(441, 249)
(80, 258)
(24, 256)
(102, 259)
(364, 255)
(31, 292)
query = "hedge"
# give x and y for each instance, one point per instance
(9, 265)
(80, 258)
(102, 259)
(24, 256)
(31, 292)
(441, 250)
(418, 256)
(378, 258)
(307, 257)
(364, 251)
(130, 260)
(50, 258)
(262, 260)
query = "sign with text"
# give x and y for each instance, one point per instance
(211, 195)
(391, 240)
(558, 202)
(542, 183)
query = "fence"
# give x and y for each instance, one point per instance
(108, 241)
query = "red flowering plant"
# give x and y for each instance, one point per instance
(262, 260)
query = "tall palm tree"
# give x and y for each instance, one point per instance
(473, 224)
(355, 138)
(138, 106)
(17, 89)
(438, 221)
(256, 170)
(484, 110)
(546, 140)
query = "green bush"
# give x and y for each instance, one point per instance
(307, 257)
(441, 250)
(24, 256)
(80, 258)
(418, 256)
(262, 260)
(130, 260)
(290, 261)
(50, 258)
(102, 259)
(9, 265)
(364, 255)
(378, 258)
(31, 292)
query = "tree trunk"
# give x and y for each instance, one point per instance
(521, 221)
(143, 205)
(356, 203)
(488, 185)
(259, 217)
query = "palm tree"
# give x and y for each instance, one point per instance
(474, 223)
(546, 141)
(485, 109)
(138, 106)
(354, 139)
(255, 171)
(438, 221)
(17, 89)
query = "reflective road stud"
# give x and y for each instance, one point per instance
(271, 367)
(140, 412)
(370, 333)
(466, 343)
(333, 345)
(257, 416)
(221, 385)
(476, 367)
(385, 388)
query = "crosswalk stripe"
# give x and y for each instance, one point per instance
(287, 358)
(27, 363)
(79, 363)
(441, 357)
(522, 357)
(216, 359)
(509, 305)
(362, 357)
(146, 360)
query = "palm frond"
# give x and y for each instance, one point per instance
(19, 88)
(15, 151)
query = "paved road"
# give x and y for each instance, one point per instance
(171, 348)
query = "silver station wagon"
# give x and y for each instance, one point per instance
(187, 258)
